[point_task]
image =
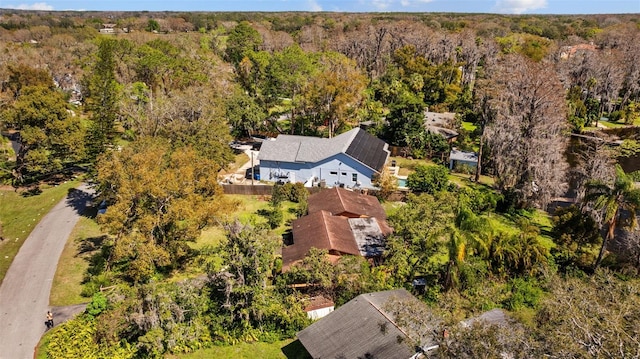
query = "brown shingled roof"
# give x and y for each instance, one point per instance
(317, 302)
(320, 230)
(343, 202)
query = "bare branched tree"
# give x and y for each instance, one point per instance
(528, 136)
(594, 161)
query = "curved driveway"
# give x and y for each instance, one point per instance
(24, 294)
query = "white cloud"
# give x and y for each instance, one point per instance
(314, 6)
(519, 6)
(34, 6)
(393, 5)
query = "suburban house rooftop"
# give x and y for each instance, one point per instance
(343, 202)
(357, 143)
(457, 155)
(440, 119)
(365, 327)
(319, 230)
(340, 221)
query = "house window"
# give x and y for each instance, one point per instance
(354, 177)
(344, 173)
(333, 173)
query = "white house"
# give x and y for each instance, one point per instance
(347, 160)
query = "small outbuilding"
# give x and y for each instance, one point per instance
(457, 157)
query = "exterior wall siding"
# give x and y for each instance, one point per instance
(336, 170)
(319, 313)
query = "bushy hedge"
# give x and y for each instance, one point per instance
(293, 192)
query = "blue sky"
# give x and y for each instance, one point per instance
(483, 6)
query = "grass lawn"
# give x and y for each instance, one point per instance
(408, 165)
(541, 219)
(239, 160)
(247, 212)
(20, 214)
(463, 180)
(83, 242)
(608, 124)
(250, 205)
(275, 350)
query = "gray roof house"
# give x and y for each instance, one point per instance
(368, 327)
(348, 160)
(457, 157)
(441, 124)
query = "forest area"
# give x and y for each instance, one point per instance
(144, 107)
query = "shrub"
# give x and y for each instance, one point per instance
(576, 235)
(274, 217)
(524, 293)
(293, 192)
(477, 200)
(97, 305)
(464, 169)
(93, 284)
(428, 179)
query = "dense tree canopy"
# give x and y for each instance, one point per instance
(50, 138)
(162, 99)
(160, 200)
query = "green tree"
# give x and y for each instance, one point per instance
(335, 94)
(242, 39)
(22, 75)
(428, 179)
(429, 145)
(576, 235)
(152, 25)
(243, 114)
(50, 138)
(102, 99)
(315, 270)
(406, 117)
(250, 307)
(190, 117)
(612, 200)
(160, 200)
(289, 72)
(162, 67)
(421, 230)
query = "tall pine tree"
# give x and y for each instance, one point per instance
(102, 99)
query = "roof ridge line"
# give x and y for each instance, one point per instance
(340, 198)
(324, 225)
(353, 136)
(298, 150)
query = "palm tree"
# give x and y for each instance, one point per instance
(612, 200)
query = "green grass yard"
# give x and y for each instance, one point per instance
(83, 243)
(276, 350)
(20, 214)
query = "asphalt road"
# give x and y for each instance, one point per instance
(24, 294)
